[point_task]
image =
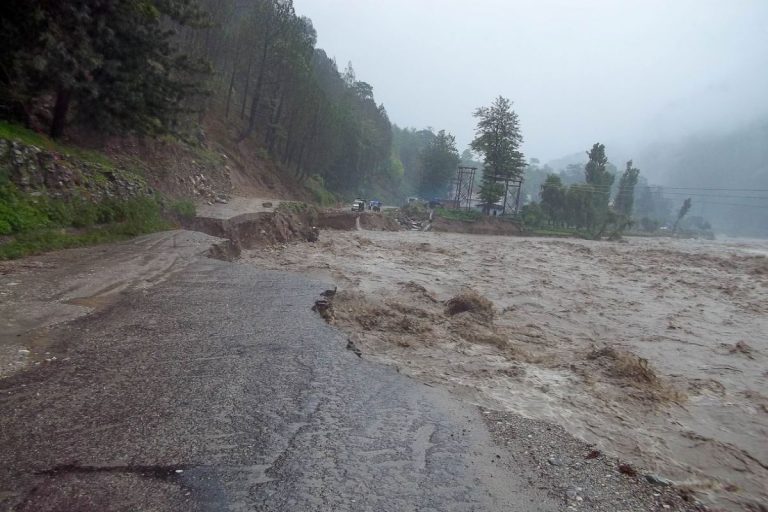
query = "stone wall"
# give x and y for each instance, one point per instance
(39, 171)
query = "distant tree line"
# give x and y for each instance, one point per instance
(587, 204)
(598, 203)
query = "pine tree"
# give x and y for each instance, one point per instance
(114, 61)
(599, 181)
(625, 197)
(498, 138)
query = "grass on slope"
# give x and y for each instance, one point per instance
(35, 223)
(29, 137)
(31, 225)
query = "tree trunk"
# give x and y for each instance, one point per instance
(305, 141)
(229, 92)
(256, 98)
(245, 89)
(63, 99)
(277, 114)
(232, 81)
(288, 139)
(300, 163)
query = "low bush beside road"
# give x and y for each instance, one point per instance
(35, 224)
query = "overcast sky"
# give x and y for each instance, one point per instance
(579, 71)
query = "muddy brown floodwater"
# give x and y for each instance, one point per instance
(655, 349)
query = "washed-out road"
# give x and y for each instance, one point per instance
(208, 385)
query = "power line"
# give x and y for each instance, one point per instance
(598, 190)
(710, 189)
(662, 187)
(587, 188)
(739, 205)
(713, 195)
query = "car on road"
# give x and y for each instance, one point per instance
(358, 205)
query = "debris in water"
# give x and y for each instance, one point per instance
(593, 454)
(741, 347)
(470, 302)
(626, 469)
(351, 346)
(329, 294)
(658, 480)
(324, 308)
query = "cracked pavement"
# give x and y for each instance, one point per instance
(219, 389)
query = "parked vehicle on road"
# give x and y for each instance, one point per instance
(358, 205)
(435, 202)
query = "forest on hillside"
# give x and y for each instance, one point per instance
(156, 67)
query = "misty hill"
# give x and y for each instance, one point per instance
(559, 164)
(725, 174)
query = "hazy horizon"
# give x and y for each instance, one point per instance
(627, 74)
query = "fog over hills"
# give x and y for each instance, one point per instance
(723, 171)
(627, 74)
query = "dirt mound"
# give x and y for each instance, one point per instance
(226, 250)
(344, 221)
(348, 221)
(414, 212)
(261, 229)
(470, 302)
(484, 226)
(378, 222)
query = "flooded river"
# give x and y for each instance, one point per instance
(654, 349)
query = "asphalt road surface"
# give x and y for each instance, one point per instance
(219, 389)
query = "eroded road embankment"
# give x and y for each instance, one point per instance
(218, 389)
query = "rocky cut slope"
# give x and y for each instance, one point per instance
(38, 171)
